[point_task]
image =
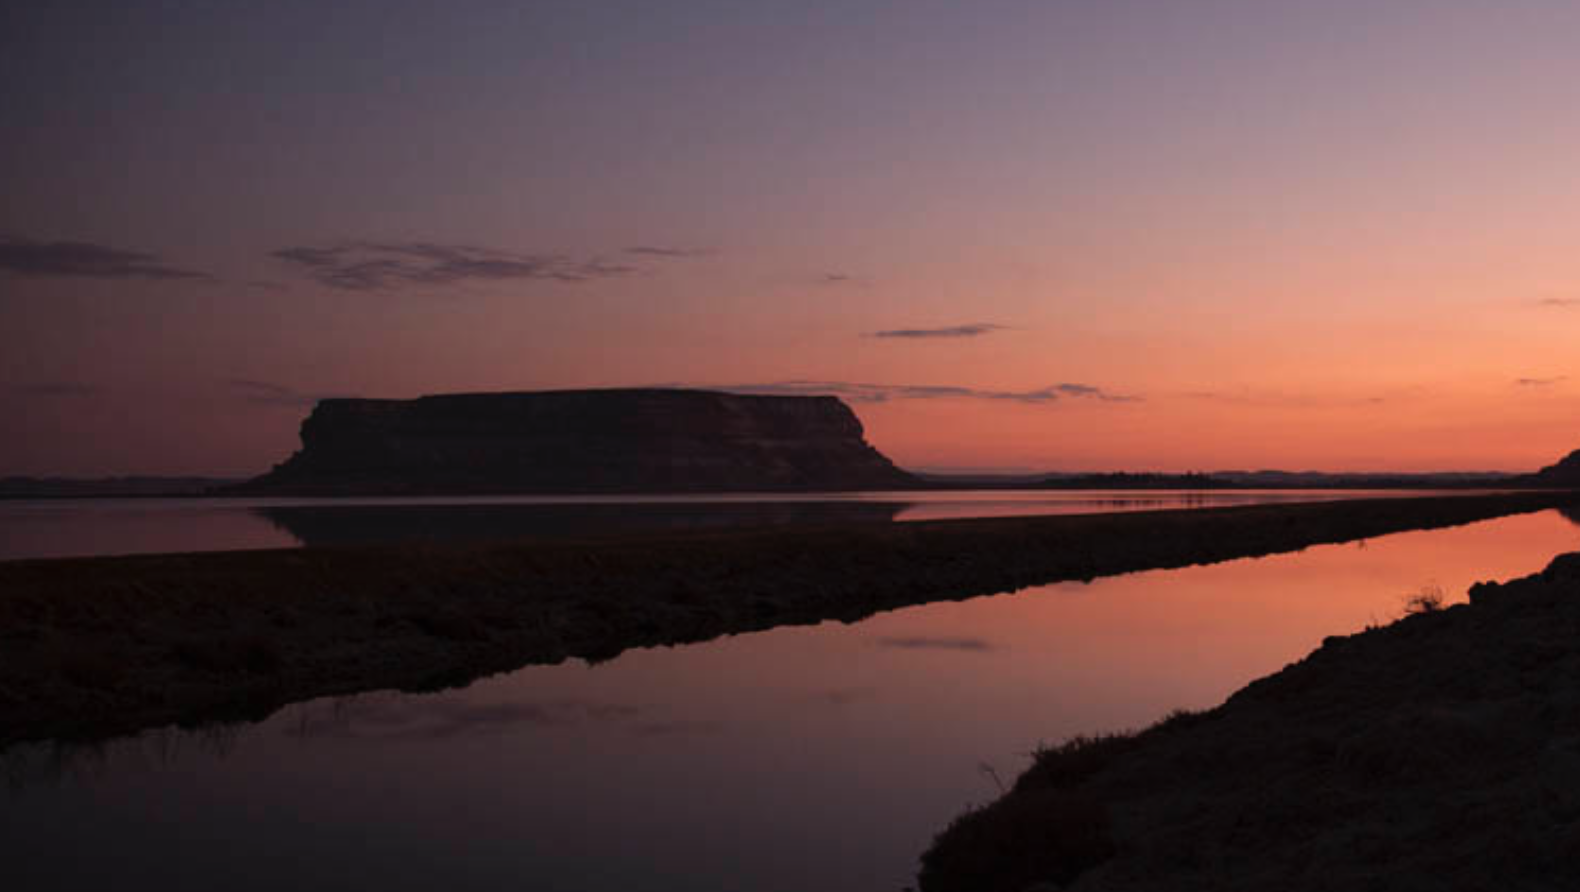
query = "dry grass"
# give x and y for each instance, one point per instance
(1430, 599)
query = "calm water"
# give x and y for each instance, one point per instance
(820, 757)
(70, 527)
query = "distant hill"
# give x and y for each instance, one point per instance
(581, 441)
(1222, 480)
(1565, 473)
(107, 487)
(1375, 480)
(636, 441)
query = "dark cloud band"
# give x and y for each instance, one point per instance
(974, 329)
(266, 393)
(670, 253)
(25, 257)
(884, 393)
(370, 266)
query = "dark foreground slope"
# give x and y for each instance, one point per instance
(1439, 753)
(104, 645)
(580, 441)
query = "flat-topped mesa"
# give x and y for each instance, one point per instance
(581, 441)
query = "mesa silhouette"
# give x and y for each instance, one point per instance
(580, 441)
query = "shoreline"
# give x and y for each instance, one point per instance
(97, 647)
(1119, 481)
(1441, 751)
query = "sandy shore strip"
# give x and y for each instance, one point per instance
(96, 647)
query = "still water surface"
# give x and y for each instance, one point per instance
(40, 528)
(820, 757)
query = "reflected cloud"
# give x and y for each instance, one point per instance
(1540, 382)
(844, 696)
(51, 763)
(443, 718)
(677, 727)
(924, 642)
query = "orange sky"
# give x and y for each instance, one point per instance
(1335, 236)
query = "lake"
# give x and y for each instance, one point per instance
(41, 528)
(818, 757)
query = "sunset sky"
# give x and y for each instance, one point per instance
(1339, 235)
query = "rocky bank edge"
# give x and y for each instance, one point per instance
(1441, 752)
(102, 646)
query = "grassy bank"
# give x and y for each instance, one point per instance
(94, 647)
(1441, 752)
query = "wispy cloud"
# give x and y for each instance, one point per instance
(267, 393)
(1539, 382)
(370, 266)
(59, 390)
(667, 252)
(936, 643)
(1559, 302)
(836, 279)
(26, 257)
(1283, 399)
(884, 393)
(970, 330)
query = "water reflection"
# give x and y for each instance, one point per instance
(317, 525)
(75, 527)
(916, 642)
(401, 717)
(798, 758)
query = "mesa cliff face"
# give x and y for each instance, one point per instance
(580, 441)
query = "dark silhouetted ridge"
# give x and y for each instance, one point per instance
(1565, 473)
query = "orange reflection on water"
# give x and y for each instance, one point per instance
(1128, 648)
(815, 757)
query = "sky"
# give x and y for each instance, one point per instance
(1334, 235)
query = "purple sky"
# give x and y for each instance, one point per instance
(1336, 234)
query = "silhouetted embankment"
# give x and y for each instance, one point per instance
(1438, 753)
(100, 646)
